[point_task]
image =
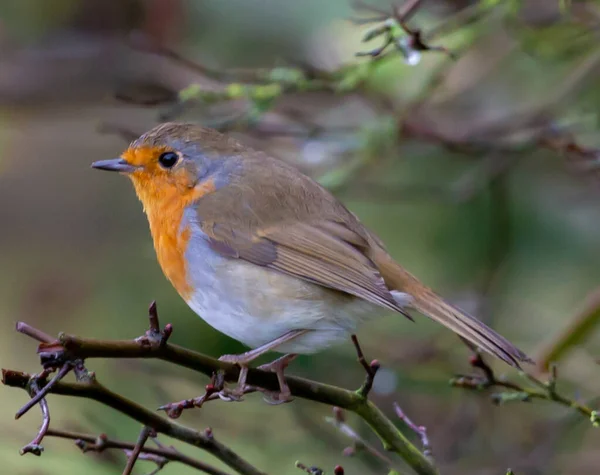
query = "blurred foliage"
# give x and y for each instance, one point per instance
(514, 239)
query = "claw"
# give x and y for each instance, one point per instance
(278, 367)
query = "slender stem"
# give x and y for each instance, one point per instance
(546, 391)
(421, 431)
(370, 369)
(35, 446)
(168, 453)
(39, 395)
(34, 333)
(135, 453)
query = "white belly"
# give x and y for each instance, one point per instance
(255, 305)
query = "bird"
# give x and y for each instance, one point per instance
(266, 255)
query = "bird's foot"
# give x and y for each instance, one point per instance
(236, 393)
(278, 367)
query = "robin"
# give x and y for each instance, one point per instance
(266, 255)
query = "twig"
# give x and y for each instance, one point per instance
(34, 333)
(94, 390)
(39, 395)
(421, 431)
(156, 459)
(90, 443)
(34, 447)
(339, 422)
(74, 347)
(213, 391)
(154, 334)
(135, 453)
(516, 392)
(370, 369)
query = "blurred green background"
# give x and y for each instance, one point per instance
(512, 237)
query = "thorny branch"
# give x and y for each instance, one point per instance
(516, 392)
(91, 443)
(154, 344)
(94, 390)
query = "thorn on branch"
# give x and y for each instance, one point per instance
(421, 431)
(154, 335)
(370, 369)
(34, 333)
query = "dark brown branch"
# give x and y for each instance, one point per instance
(370, 369)
(90, 443)
(35, 446)
(78, 348)
(34, 333)
(39, 395)
(94, 390)
(135, 452)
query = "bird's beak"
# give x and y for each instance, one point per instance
(114, 165)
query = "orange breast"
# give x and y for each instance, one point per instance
(165, 215)
(170, 243)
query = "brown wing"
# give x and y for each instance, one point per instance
(325, 253)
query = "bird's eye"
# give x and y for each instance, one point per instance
(168, 159)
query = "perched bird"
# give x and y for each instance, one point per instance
(266, 255)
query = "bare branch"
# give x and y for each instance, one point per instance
(34, 333)
(35, 446)
(39, 395)
(135, 453)
(90, 443)
(339, 422)
(421, 431)
(71, 347)
(94, 390)
(516, 392)
(370, 369)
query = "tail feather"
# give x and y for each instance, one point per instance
(461, 323)
(469, 328)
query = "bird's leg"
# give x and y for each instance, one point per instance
(243, 359)
(278, 366)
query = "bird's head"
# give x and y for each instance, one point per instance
(177, 160)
